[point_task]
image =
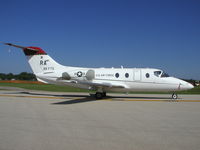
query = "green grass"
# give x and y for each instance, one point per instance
(56, 88)
(43, 87)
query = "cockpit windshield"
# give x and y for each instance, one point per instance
(157, 73)
(161, 74)
(164, 75)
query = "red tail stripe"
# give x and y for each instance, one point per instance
(40, 51)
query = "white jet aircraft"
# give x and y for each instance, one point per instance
(101, 80)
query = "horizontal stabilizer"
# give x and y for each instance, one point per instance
(22, 47)
(28, 51)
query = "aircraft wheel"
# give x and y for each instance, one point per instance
(99, 95)
(174, 96)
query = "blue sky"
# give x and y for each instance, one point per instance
(162, 34)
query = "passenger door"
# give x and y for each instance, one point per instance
(136, 75)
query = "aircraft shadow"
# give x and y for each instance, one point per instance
(80, 98)
(92, 97)
(75, 101)
(84, 98)
(55, 95)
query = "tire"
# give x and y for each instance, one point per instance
(174, 96)
(99, 95)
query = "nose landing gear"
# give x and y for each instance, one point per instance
(174, 96)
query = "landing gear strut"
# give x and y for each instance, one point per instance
(100, 95)
(174, 96)
(104, 94)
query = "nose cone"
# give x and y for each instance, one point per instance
(186, 86)
(190, 86)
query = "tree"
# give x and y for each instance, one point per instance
(21, 76)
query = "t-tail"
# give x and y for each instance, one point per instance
(38, 59)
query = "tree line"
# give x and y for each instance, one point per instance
(21, 76)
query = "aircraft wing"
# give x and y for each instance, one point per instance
(101, 85)
(94, 84)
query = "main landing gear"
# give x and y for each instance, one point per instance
(100, 95)
(174, 96)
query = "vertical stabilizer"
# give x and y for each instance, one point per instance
(39, 61)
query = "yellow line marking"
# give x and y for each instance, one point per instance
(3, 95)
(188, 100)
(138, 100)
(150, 100)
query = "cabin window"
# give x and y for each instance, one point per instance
(126, 75)
(117, 75)
(157, 73)
(147, 75)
